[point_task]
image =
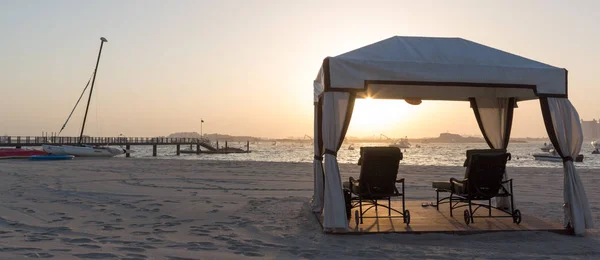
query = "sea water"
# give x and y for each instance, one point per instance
(437, 154)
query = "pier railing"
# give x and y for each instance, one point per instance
(65, 140)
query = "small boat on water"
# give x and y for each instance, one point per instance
(189, 151)
(596, 145)
(402, 143)
(547, 147)
(18, 153)
(552, 156)
(351, 148)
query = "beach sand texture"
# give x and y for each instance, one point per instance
(177, 209)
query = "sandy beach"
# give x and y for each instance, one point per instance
(177, 209)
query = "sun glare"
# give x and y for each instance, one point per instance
(371, 116)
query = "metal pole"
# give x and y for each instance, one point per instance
(201, 122)
(102, 40)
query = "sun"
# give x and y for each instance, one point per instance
(373, 116)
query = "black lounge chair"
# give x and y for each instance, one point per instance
(483, 181)
(377, 181)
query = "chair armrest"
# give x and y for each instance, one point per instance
(454, 180)
(507, 181)
(400, 180)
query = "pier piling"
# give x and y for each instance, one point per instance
(198, 149)
(178, 149)
(127, 147)
(154, 150)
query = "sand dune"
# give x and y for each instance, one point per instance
(177, 209)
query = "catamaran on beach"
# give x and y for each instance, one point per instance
(83, 150)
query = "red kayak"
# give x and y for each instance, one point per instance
(13, 153)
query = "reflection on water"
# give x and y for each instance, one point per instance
(439, 154)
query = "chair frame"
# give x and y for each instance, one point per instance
(458, 200)
(372, 202)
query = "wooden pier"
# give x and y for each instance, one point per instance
(32, 141)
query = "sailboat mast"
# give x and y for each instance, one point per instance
(102, 41)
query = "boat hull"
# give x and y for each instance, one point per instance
(50, 157)
(553, 157)
(10, 153)
(54, 149)
(83, 151)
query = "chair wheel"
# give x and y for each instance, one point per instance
(356, 217)
(406, 217)
(517, 216)
(467, 216)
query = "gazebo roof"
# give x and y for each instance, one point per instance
(438, 68)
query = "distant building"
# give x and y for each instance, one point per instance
(591, 129)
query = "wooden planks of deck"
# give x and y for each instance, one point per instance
(429, 220)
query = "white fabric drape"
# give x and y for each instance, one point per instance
(317, 201)
(335, 106)
(495, 119)
(568, 140)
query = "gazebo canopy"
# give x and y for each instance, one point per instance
(438, 69)
(424, 68)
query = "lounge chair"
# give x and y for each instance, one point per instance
(483, 181)
(377, 181)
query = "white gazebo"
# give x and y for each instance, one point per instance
(424, 68)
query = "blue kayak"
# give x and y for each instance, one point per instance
(50, 157)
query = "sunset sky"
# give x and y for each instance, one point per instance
(247, 67)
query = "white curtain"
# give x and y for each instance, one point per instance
(335, 121)
(494, 116)
(564, 129)
(317, 201)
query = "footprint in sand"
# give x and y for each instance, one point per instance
(77, 240)
(30, 211)
(166, 217)
(60, 250)
(154, 240)
(140, 233)
(39, 255)
(111, 227)
(158, 230)
(135, 256)
(97, 256)
(131, 249)
(38, 238)
(89, 246)
(213, 211)
(93, 222)
(180, 258)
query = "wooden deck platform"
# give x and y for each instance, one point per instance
(429, 220)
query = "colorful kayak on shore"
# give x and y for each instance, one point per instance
(18, 153)
(51, 157)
